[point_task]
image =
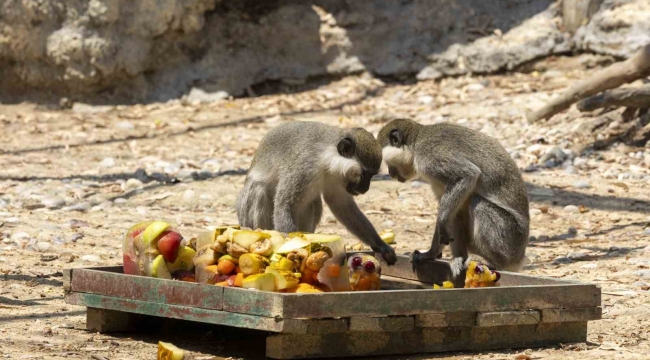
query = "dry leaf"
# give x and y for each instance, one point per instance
(621, 185)
(583, 209)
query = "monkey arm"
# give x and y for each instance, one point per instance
(460, 177)
(346, 211)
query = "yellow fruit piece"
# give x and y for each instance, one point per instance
(296, 234)
(246, 238)
(167, 351)
(205, 256)
(292, 244)
(447, 285)
(304, 288)
(436, 287)
(229, 258)
(276, 238)
(283, 264)
(263, 282)
(154, 230)
(479, 276)
(251, 264)
(388, 236)
(283, 279)
(321, 238)
(205, 238)
(184, 261)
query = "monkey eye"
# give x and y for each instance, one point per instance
(395, 138)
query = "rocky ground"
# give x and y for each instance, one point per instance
(72, 181)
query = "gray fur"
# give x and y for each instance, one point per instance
(295, 165)
(483, 203)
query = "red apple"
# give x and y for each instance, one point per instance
(168, 245)
(130, 266)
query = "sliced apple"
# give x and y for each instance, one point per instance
(205, 238)
(321, 238)
(169, 244)
(263, 282)
(228, 233)
(246, 238)
(130, 266)
(159, 268)
(167, 351)
(292, 244)
(154, 230)
(296, 234)
(283, 279)
(283, 264)
(276, 238)
(184, 261)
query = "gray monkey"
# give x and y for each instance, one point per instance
(298, 162)
(483, 203)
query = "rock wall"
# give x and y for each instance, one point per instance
(154, 50)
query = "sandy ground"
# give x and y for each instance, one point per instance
(67, 194)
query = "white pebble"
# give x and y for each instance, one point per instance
(534, 212)
(426, 99)
(189, 196)
(52, 202)
(120, 201)
(571, 209)
(475, 87)
(581, 184)
(124, 125)
(91, 258)
(107, 162)
(43, 246)
(133, 184)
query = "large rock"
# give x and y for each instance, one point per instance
(154, 50)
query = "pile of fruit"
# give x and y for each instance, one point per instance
(477, 275)
(265, 260)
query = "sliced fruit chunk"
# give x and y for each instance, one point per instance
(167, 351)
(130, 266)
(283, 279)
(292, 244)
(229, 258)
(246, 238)
(205, 238)
(304, 288)
(388, 236)
(169, 244)
(276, 238)
(283, 264)
(321, 238)
(239, 280)
(184, 261)
(154, 230)
(251, 264)
(263, 282)
(205, 256)
(159, 268)
(226, 267)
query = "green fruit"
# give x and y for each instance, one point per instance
(159, 268)
(154, 230)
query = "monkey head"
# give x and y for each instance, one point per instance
(396, 140)
(360, 156)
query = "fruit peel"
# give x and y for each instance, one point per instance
(154, 230)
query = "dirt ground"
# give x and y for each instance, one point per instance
(72, 181)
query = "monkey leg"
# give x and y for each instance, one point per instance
(497, 236)
(309, 218)
(434, 252)
(255, 207)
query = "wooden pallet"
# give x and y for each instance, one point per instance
(409, 317)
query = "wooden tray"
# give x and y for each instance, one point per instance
(408, 317)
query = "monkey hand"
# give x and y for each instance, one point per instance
(418, 257)
(388, 253)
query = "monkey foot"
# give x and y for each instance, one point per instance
(418, 257)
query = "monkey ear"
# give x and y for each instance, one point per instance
(395, 138)
(346, 147)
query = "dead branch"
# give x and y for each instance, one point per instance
(634, 68)
(638, 98)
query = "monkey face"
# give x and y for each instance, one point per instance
(355, 188)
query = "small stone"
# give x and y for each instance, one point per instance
(572, 230)
(475, 87)
(581, 184)
(47, 258)
(124, 125)
(543, 238)
(107, 162)
(171, 169)
(615, 217)
(185, 175)
(550, 164)
(81, 207)
(189, 196)
(571, 209)
(200, 96)
(52, 202)
(534, 212)
(578, 162)
(206, 197)
(644, 274)
(579, 256)
(562, 260)
(426, 99)
(133, 184)
(429, 73)
(416, 184)
(20, 236)
(570, 170)
(43, 246)
(120, 201)
(77, 236)
(67, 257)
(589, 266)
(641, 285)
(91, 258)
